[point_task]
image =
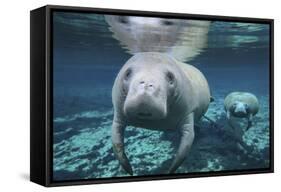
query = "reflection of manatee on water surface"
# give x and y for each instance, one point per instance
(155, 91)
(183, 39)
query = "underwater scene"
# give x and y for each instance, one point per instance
(139, 96)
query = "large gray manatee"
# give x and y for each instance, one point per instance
(155, 91)
(180, 38)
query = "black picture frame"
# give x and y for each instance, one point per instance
(41, 94)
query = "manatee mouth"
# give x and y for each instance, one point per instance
(144, 115)
(145, 106)
(240, 114)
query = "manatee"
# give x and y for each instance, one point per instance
(241, 105)
(183, 39)
(155, 91)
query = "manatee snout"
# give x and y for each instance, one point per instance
(145, 100)
(239, 109)
(144, 87)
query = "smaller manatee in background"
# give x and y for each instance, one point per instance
(241, 105)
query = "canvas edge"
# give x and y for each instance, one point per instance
(48, 126)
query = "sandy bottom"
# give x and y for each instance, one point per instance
(82, 145)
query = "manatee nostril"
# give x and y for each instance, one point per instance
(142, 82)
(150, 85)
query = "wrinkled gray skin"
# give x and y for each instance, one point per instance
(241, 105)
(154, 91)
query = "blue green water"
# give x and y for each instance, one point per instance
(86, 60)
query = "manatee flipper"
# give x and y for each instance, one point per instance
(187, 137)
(250, 120)
(228, 116)
(118, 146)
(211, 121)
(212, 99)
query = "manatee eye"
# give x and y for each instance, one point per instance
(234, 105)
(167, 22)
(246, 106)
(128, 74)
(170, 77)
(123, 19)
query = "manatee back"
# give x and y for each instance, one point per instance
(200, 88)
